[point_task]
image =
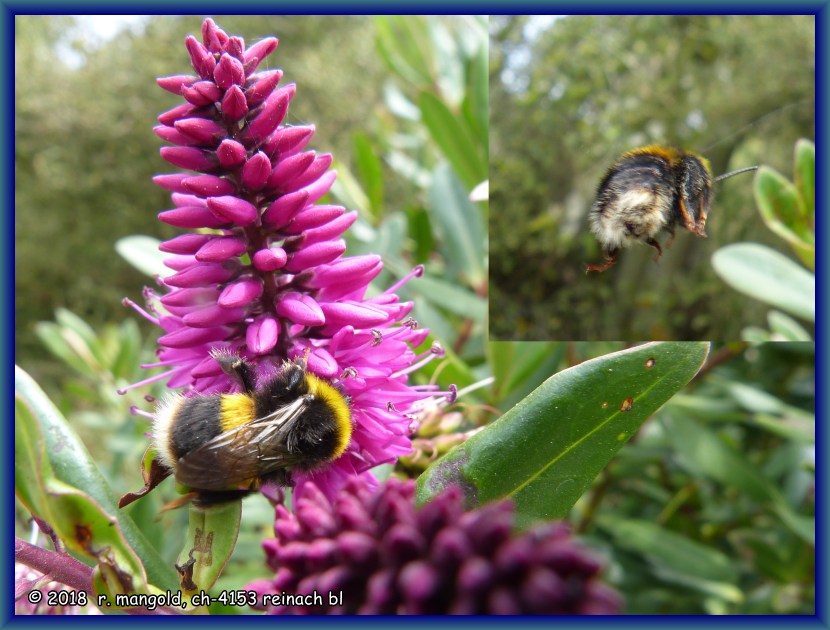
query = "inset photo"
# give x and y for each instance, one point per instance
(652, 177)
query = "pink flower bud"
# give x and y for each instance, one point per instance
(262, 86)
(233, 209)
(209, 186)
(228, 72)
(262, 335)
(270, 259)
(270, 115)
(284, 208)
(201, 129)
(189, 157)
(202, 93)
(300, 309)
(240, 293)
(256, 171)
(231, 153)
(203, 62)
(259, 51)
(317, 254)
(220, 249)
(234, 106)
(176, 83)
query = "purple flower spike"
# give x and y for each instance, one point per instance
(387, 557)
(266, 275)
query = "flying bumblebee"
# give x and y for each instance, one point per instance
(225, 446)
(647, 191)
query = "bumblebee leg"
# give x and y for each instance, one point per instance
(610, 260)
(237, 368)
(656, 246)
(688, 221)
(700, 226)
(670, 240)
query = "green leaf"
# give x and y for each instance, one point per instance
(786, 328)
(546, 451)
(779, 202)
(57, 480)
(766, 275)
(455, 139)
(370, 170)
(142, 252)
(805, 176)
(460, 226)
(452, 297)
(403, 43)
(521, 366)
(476, 105)
(784, 213)
(675, 558)
(211, 538)
(67, 346)
(700, 450)
(350, 193)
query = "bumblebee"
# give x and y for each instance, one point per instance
(226, 446)
(648, 191)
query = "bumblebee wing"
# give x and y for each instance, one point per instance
(242, 455)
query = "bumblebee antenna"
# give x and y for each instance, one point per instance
(738, 172)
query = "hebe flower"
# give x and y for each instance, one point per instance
(388, 557)
(262, 272)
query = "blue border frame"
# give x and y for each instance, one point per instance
(820, 9)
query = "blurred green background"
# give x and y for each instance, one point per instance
(568, 96)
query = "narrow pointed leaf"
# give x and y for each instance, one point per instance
(455, 138)
(546, 451)
(676, 558)
(700, 450)
(460, 226)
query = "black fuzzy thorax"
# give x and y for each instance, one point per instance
(314, 434)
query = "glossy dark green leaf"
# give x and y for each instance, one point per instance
(546, 451)
(57, 480)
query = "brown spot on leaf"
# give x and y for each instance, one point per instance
(627, 404)
(650, 363)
